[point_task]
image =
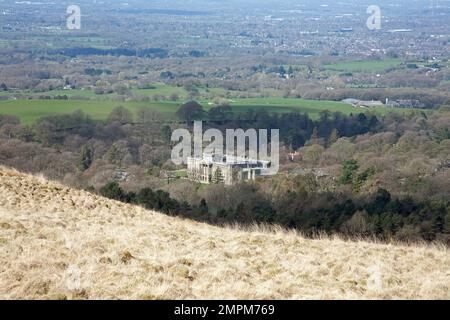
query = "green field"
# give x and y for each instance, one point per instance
(30, 110)
(161, 89)
(156, 89)
(312, 107)
(364, 66)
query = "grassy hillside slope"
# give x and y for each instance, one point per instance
(56, 242)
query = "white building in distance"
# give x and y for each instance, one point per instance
(227, 169)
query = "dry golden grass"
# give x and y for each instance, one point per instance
(58, 243)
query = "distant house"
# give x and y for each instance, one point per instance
(227, 169)
(363, 104)
(351, 101)
(401, 103)
(122, 175)
(408, 104)
(370, 104)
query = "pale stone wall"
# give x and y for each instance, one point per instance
(205, 170)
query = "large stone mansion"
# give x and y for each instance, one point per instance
(227, 169)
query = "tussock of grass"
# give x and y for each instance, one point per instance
(60, 243)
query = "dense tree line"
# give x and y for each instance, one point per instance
(85, 51)
(376, 216)
(295, 128)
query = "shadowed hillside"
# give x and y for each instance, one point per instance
(61, 243)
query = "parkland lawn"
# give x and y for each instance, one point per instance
(364, 66)
(28, 111)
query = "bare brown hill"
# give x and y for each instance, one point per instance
(58, 243)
